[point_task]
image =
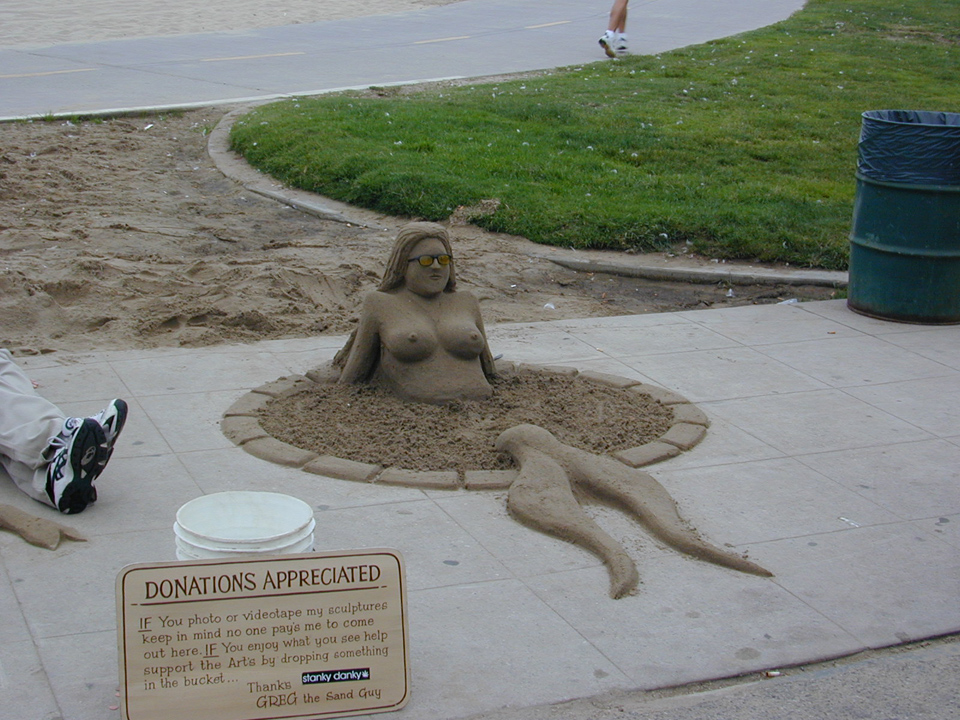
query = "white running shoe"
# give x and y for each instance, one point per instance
(79, 452)
(111, 419)
(607, 42)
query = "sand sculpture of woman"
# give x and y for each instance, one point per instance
(418, 336)
(424, 341)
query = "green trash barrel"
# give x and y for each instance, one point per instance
(905, 240)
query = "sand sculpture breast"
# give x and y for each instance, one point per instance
(421, 340)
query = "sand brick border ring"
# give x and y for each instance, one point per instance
(241, 425)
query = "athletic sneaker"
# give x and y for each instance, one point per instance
(80, 452)
(620, 45)
(607, 42)
(111, 419)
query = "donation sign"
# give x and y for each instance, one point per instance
(294, 636)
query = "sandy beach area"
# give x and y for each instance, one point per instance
(51, 22)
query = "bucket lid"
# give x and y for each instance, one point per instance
(244, 516)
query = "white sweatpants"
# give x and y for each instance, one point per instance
(27, 423)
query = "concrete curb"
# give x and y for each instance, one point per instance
(234, 167)
(730, 273)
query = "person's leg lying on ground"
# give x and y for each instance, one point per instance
(52, 458)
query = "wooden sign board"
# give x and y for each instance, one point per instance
(308, 636)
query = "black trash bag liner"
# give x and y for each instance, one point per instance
(910, 146)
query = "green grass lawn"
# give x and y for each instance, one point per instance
(746, 146)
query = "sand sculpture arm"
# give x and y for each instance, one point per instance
(486, 362)
(486, 357)
(364, 352)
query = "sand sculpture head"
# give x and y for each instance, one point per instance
(418, 336)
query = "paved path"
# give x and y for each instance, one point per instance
(466, 39)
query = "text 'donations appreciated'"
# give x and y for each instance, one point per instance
(307, 636)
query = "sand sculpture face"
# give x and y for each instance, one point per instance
(425, 275)
(425, 342)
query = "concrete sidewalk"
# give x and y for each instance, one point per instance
(472, 38)
(832, 458)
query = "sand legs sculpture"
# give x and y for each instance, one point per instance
(542, 496)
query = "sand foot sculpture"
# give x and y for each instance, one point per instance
(542, 496)
(41, 532)
(424, 341)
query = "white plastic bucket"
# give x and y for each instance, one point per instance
(235, 523)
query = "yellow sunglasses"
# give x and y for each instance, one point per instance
(427, 260)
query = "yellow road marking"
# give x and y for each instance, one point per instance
(43, 74)
(446, 39)
(250, 57)
(535, 27)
